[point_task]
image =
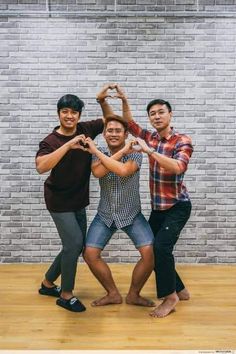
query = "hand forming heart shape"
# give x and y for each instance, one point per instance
(136, 146)
(84, 145)
(107, 91)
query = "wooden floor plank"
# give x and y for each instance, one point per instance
(31, 321)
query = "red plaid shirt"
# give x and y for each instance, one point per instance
(166, 188)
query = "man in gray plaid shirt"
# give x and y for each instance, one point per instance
(117, 168)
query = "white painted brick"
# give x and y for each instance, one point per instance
(188, 61)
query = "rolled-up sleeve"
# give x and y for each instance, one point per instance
(183, 152)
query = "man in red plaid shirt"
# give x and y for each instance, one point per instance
(169, 153)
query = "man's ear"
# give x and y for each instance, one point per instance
(126, 134)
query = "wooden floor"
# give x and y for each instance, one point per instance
(31, 321)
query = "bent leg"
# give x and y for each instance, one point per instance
(140, 275)
(98, 236)
(103, 274)
(141, 235)
(72, 236)
(53, 272)
(169, 283)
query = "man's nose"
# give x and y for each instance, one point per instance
(69, 114)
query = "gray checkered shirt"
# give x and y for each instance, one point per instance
(119, 196)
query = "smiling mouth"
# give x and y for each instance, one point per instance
(113, 140)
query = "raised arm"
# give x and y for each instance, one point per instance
(126, 111)
(134, 128)
(101, 99)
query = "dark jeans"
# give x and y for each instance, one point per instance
(71, 227)
(166, 226)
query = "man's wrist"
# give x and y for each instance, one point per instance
(67, 145)
(151, 151)
(122, 151)
(100, 100)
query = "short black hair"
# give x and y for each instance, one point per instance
(158, 101)
(115, 117)
(70, 101)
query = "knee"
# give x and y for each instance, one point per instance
(74, 250)
(162, 249)
(89, 255)
(148, 255)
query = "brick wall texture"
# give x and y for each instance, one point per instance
(180, 50)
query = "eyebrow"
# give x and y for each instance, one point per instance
(161, 109)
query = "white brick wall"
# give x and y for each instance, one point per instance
(171, 51)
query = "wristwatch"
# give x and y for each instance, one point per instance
(151, 151)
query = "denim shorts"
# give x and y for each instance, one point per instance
(139, 232)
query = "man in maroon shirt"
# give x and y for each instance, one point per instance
(66, 193)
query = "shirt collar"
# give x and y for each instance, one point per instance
(169, 136)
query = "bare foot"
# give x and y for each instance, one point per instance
(107, 300)
(139, 301)
(166, 307)
(183, 294)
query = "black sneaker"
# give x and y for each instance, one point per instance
(55, 291)
(72, 304)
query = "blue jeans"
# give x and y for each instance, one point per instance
(71, 227)
(139, 231)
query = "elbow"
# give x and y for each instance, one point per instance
(123, 172)
(39, 166)
(97, 175)
(39, 169)
(179, 169)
